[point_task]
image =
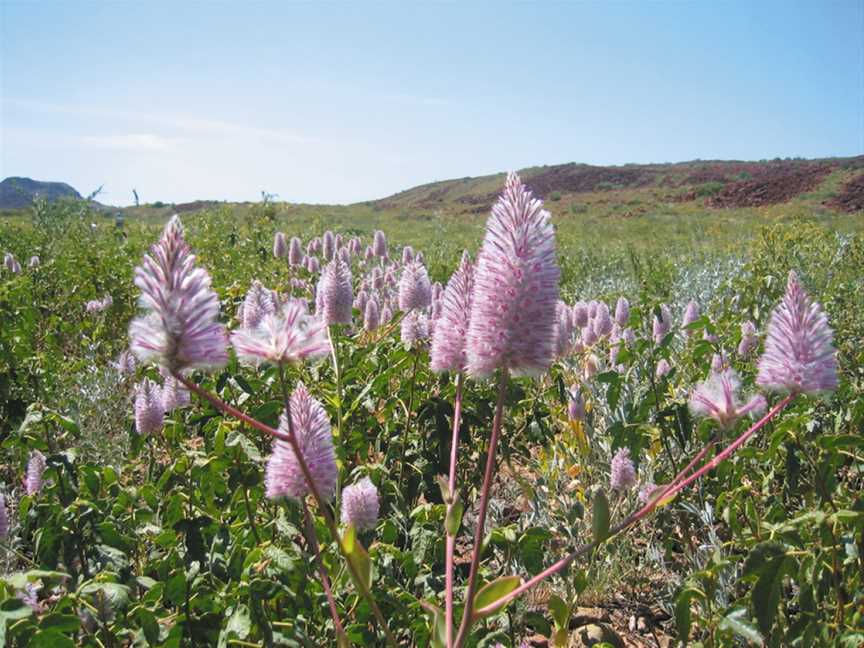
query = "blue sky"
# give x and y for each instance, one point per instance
(342, 102)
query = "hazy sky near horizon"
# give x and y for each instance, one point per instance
(343, 102)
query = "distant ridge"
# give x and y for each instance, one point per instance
(19, 193)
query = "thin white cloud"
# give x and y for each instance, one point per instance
(131, 142)
(186, 124)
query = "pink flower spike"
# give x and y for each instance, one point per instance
(283, 476)
(662, 324)
(414, 329)
(717, 398)
(622, 312)
(360, 505)
(334, 298)
(35, 469)
(623, 473)
(371, 316)
(513, 319)
(448, 341)
(149, 410)
(799, 355)
(280, 246)
(180, 328)
(691, 314)
(287, 336)
(295, 252)
(415, 289)
(563, 329)
(259, 302)
(749, 339)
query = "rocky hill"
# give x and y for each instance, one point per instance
(18, 193)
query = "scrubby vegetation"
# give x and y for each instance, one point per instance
(125, 527)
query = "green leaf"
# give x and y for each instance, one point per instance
(531, 548)
(116, 594)
(682, 610)
(50, 639)
(600, 520)
(453, 520)
(560, 611)
(60, 622)
(357, 556)
(739, 623)
(493, 591)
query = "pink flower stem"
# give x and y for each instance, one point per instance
(322, 572)
(479, 532)
(304, 468)
(671, 490)
(451, 539)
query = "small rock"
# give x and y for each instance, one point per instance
(595, 633)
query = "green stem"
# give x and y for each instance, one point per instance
(408, 418)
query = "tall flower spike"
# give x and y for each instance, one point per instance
(180, 328)
(35, 470)
(691, 314)
(295, 252)
(407, 255)
(663, 368)
(512, 320)
(328, 245)
(280, 246)
(313, 266)
(415, 289)
(35, 262)
(287, 336)
(283, 476)
(563, 329)
(360, 505)
(799, 355)
(749, 339)
(580, 314)
(575, 404)
(334, 298)
(602, 322)
(149, 410)
(259, 302)
(371, 316)
(717, 398)
(174, 395)
(623, 473)
(379, 244)
(448, 351)
(622, 312)
(414, 329)
(662, 324)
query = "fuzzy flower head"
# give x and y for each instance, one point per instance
(149, 410)
(691, 314)
(448, 342)
(386, 314)
(295, 252)
(259, 302)
(334, 298)
(174, 394)
(35, 470)
(283, 476)
(407, 255)
(580, 314)
(602, 322)
(799, 355)
(663, 368)
(35, 262)
(179, 329)
(575, 404)
(125, 364)
(749, 339)
(11, 263)
(717, 398)
(622, 472)
(287, 336)
(280, 246)
(360, 505)
(414, 329)
(328, 245)
(563, 329)
(379, 244)
(313, 265)
(622, 312)
(513, 321)
(371, 315)
(662, 323)
(415, 289)
(646, 492)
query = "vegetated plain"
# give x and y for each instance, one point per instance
(168, 540)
